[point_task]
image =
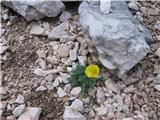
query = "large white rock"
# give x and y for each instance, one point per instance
(31, 113)
(105, 6)
(71, 114)
(34, 9)
(118, 36)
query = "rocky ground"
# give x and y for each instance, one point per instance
(35, 69)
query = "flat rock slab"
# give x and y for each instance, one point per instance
(118, 37)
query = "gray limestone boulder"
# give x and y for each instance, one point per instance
(35, 10)
(118, 37)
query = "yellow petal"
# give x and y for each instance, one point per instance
(92, 71)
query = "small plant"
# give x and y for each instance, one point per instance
(85, 77)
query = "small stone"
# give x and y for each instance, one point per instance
(3, 105)
(133, 5)
(82, 60)
(120, 115)
(71, 114)
(42, 63)
(41, 88)
(31, 113)
(101, 111)
(39, 72)
(11, 117)
(61, 92)
(157, 87)
(110, 115)
(20, 99)
(3, 49)
(157, 25)
(63, 51)
(67, 88)
(59, 31)
(3, 91)
(131, 80)
(41, 53)
(100, 96)
(55, 83)
(157, 52)
(18, 110)
(73, 54)
(37, 29)
(49, 78)
(111, 85)
(49, 87)
(157, 79)
(66, 38)
(52, 59)
(1, 111)
(64, 77)
(77, 105)
(65, 16)
(92, 114)
(75, 91)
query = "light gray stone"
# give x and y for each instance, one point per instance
(31, 113)
(77, 105)
(55, 83)
(101, 111)
(100, 95)
(20, 99)
(116, 35)
(67, 88)
(76, 91)
(61, 92)
(41, 88)
(36, 10)
(133, 5)
(18, 110)
(82, 60)
(111, 85)
(71, 114)
(59, 31)
(157, 87)
(65, 16)
(63, 51)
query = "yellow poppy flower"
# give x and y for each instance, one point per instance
(92, 71)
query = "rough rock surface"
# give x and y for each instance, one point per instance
(117, 36)
(36, 9)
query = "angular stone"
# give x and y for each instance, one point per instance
(75, 91)
(20, 99)
(157, 87)
(31, 113)
(122, 44)
(100, 95)
(18, 110)
(82, 60)
(65, 16)
(77, 105)
(101, 111)
(37, 29)
(61, 92)
(63, 51)
(71, 114)
(157, 52)
(59, 31)
(41, 88)
(111, 85)
(55, 83)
